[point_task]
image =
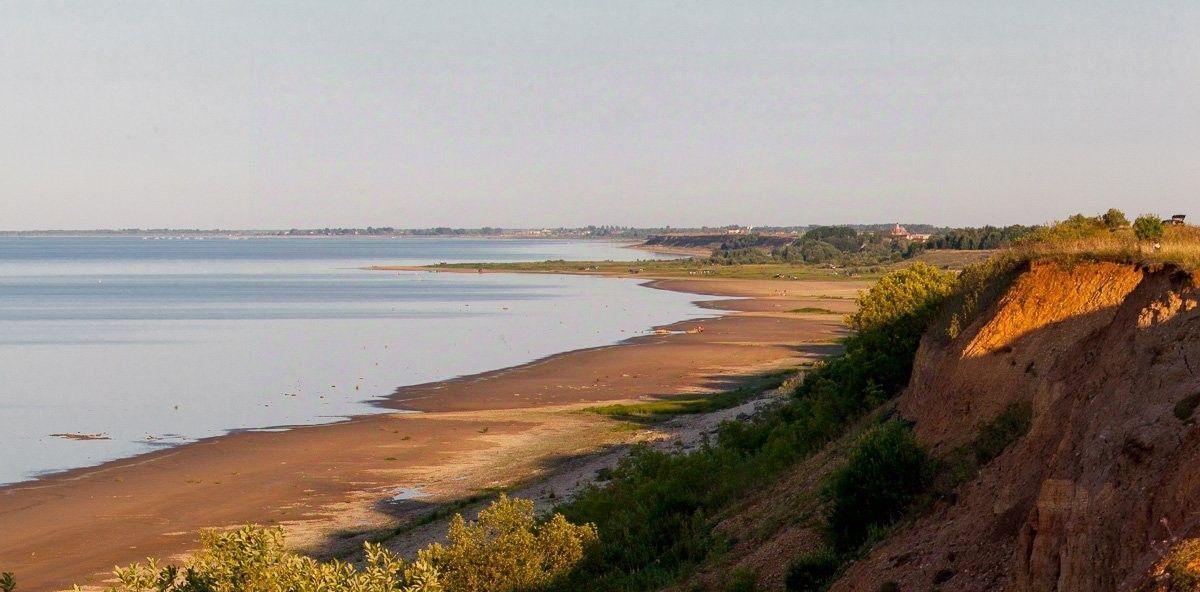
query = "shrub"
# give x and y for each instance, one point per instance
(504, 550)
(654, 516)
(813, 572)
(507, 549)
(886, 471)
(1148, 227)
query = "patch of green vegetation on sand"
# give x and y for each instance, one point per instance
(658, 410)
(671, 268)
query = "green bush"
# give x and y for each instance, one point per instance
(813, 572)
(1148, 227)
(891, 318)
(654, 516)
(885, 472)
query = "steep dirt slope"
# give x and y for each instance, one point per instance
(1104, 354)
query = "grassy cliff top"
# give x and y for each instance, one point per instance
(1178, 245)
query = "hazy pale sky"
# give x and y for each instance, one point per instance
(412, 114)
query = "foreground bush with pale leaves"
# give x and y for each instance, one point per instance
(506, 549)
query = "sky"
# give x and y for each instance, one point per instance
(289, 114)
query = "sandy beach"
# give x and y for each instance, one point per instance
(333, 486)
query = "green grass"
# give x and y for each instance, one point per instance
(661, 409)
(953, 259)
(813, 310)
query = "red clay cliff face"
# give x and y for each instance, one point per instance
(1102, 353)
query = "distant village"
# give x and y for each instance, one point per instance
(897, 232)
(582, 232)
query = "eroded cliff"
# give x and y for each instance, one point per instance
(1106, 356)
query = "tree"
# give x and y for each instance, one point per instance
(909, 293)
(1148, 227)
(1114, 219)
(844, 238)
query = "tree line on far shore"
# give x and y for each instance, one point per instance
(848, 246)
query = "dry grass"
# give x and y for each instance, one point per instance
(1179, 246)
(954, 259)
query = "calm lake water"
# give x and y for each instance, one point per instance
(152, 343)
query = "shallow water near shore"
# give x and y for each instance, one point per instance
(114, 346)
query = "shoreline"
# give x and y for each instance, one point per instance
(682, 252)
(329, 478)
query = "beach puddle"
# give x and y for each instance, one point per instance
(409, 493)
